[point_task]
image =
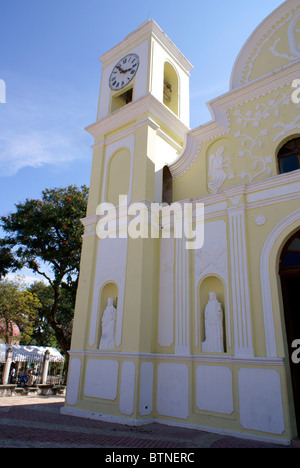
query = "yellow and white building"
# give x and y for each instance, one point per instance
(244, 167)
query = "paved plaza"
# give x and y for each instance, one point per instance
(36, 422)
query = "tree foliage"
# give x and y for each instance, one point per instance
(43, 334)
(45, 235)
(7, 260)
(17, 306)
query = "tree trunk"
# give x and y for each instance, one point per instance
(58, 330)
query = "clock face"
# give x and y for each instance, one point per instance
(123, 72)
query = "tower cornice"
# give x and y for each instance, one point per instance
(147, 29)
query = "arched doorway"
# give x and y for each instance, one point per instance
(289, 270)
(167, 186)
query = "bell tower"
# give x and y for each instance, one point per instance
(142, 118)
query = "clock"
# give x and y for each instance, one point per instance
(123, 72)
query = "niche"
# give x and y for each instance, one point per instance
(121, 100)
(109, 290)
(170, 88)
(208, 285)
(118, 179)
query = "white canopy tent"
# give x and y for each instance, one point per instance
(30, 353)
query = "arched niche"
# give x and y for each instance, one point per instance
(171, 88)
(109, 289)
(118, 177)
(211, 283)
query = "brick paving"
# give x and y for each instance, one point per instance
(36, 422)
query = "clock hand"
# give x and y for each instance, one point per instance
(125, 71)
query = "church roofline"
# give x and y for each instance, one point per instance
(219, 107)
(257, 35)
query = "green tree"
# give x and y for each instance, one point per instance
(45, 235)
(43, 334)
(7, 260)
(17, 306)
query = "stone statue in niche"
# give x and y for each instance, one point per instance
(216, 173)
(108, 326)
(213, 326)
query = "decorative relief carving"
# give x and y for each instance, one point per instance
(293, 37)
(262, 110)
(235, 199)
(218, 170)
(287, 127)
(259, 163)
(259, 48)
(260, 220)
(253, 145)
(212, 261)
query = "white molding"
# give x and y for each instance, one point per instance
(265, 281)
(132, 111)
(182, 298)
(214, 202)
(240, 285)
(261, 86)
(216, 358)
(187, 158)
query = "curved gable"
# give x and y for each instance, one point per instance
(275, 44)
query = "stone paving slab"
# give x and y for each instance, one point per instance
(36, 422)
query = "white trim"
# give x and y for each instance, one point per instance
(240, 285)
(216, 358)
(182, 295)
(265, 281)
(133, 111)
(187, 157)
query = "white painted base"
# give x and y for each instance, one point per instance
(143, 422)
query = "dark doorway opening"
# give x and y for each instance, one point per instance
(289, 270)
(167, 186)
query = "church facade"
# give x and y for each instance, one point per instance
(208, 335)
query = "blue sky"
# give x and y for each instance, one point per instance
(49, 61)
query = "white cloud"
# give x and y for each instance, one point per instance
(37, 148)
(44, 126)
(27, 280)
